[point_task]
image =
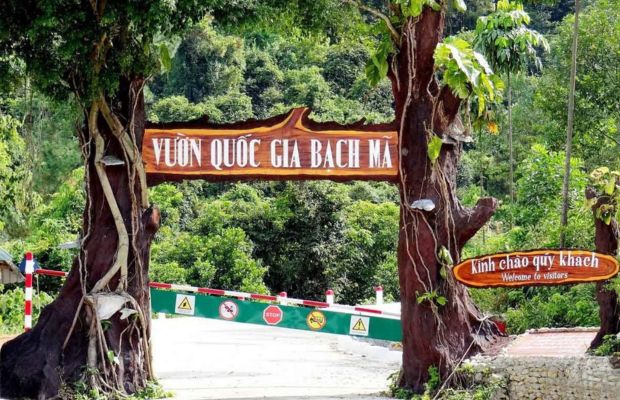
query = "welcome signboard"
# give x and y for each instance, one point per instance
(290, 146)
(531, 268)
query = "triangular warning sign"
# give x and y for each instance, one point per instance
(185, 305)
(359, 326)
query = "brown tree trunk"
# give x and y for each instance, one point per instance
(433, 334)
(606, 242)
(70, 341)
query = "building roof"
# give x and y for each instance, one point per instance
(5, 257)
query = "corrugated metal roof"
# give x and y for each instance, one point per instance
(5, 256)
(9, 273)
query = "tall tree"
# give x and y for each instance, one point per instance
(569, 129)
(604, 197)
(509, 46)
(431, 80)
(99, 54)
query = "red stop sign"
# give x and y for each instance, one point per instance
(272, 315)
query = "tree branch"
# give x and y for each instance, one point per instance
(446, 109)
(470, 221)
(393, 32)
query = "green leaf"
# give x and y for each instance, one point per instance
(164, 58)
(445, 257)
(441, 300)
(589, 203)
(415, 7)
(372, 73)
(610, 186)
(434, 148)
(434, 5)
(459, 5)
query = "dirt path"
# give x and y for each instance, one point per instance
(210, 359)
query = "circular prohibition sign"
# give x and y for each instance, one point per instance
(316, 320)
(229, 310)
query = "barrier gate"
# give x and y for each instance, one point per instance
(278, 315)
(260, 309)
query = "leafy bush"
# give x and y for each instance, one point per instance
(552, 307)
(12, 308)
(610, 345)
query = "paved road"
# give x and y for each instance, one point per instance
(210, 359)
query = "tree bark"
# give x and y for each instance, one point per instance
(60, 349)
(569, 130)
(433, 334)
(511, 151)
(606, 242)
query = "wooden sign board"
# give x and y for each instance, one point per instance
(532, 268)
(290, 146)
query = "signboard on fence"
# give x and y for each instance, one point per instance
(282, 316)
(539, 267)
(290, 146)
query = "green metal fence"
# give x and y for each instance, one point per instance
(282, 316)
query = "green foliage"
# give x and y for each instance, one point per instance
(52, 223)
(177, 108)
(343, 64)
(431, 297)
(210, 253)
(610, 345)
(606, 184)
(15, 178)
(366, 257)
(48, 129)
(263, 80)
(377, 66)
(504, 39)
(434, 148)
(472, 382)
(12, 308)
(229, 107)
(207, 63)
(552, 307)
(467, 72)
(597, 126)
(413, 8)
(540, 182)
(125, 34)
(80, 391)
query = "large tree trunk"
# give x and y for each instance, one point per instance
(433, 334)
(70, 341)
(606, 242)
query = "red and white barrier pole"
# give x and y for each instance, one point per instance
(281, 298)
(29, 271)
(379, 294)
(329, 297)
(265, 297)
